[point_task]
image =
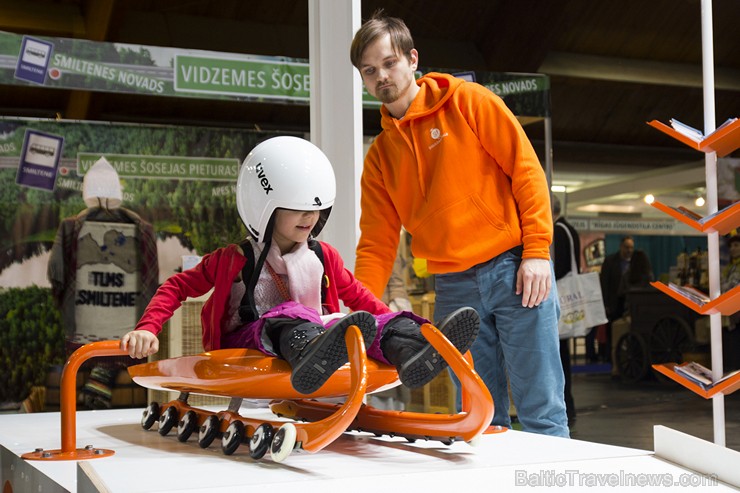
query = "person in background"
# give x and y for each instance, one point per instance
(563, 248)
(731, 332)
(639, 275)
(612, 270)
(276, 293)
(454, 167)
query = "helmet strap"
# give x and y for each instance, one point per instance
(248, 307)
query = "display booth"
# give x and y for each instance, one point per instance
(183, 180)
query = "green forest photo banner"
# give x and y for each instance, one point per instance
(180, 179)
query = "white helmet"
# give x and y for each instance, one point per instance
(284, 172)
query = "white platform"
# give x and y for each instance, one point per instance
(146, 462)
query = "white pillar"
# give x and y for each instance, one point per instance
(336, 114)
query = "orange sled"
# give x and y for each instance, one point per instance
(245, 373)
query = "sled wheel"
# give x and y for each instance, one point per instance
(633, 357)
(475, 441)
(232, 438)
(186, 426)
(167, 420)
(150, 415)
(208, 431)
(283, 442)
(448, 441)
(260, 441)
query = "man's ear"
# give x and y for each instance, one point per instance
(414, 59)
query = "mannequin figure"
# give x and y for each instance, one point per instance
(103, 271)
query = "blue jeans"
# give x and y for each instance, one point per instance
(514, 340)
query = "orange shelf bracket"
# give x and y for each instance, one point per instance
(723, 141)
(725, 387)
(726, 304)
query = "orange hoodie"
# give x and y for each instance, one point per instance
(458, 172)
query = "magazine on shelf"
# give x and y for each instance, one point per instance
(698, 297)
(695, 134)
(701, 375)
(697, 217)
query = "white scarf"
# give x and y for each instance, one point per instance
(304, 271)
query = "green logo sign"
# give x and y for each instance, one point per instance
(233, 77)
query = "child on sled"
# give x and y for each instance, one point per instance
(279, 290)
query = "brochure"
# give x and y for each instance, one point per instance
(701, 375)
(698, 297)
(704, 219)
(695, 134)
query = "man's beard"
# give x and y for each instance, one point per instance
(388, 94)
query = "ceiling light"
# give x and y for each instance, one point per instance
(558, 188)
(649, 198)
(609, 208)
(699, 201)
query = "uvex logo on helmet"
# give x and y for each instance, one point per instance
(263, 178)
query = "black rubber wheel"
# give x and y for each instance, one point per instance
(187, 425)
(260, 442)
(233, 437)
(167, 420)
(632, 357)
(670, 338)
(208, 431)
(150, 415)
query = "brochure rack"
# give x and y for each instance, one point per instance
(726, 386)
(723, 141)
(726, 304)
(718, 142)
(721, 222)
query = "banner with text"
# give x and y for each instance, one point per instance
(175, 72)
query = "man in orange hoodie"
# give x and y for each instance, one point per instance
(454, 167)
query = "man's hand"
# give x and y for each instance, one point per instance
(533, 281)
(140, 343)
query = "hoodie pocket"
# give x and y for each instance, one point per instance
(459, 228)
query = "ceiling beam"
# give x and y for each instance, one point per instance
(682, 176)
(639, 71)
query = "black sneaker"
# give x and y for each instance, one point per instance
(461, 327)
(420, 360)
(325, 353)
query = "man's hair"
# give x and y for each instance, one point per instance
(379, 25)
(556, 207)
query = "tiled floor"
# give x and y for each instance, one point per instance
(614, 413)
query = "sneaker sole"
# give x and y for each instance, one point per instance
(465, 330)
(330, 353)
(461, 327)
